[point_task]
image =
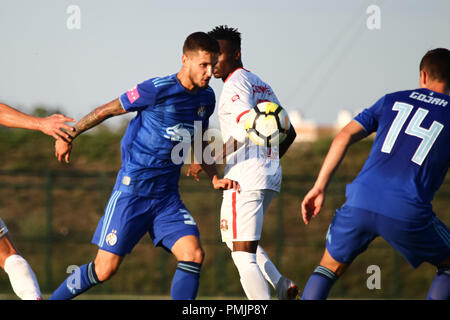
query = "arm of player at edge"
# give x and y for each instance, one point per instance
(97, 116)
(315, 198)
(50, 125)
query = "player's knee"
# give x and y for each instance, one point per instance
(194, 255)
(105, 271)
(334, 266)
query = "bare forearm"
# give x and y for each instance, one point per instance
(332, 161)
(97, 116)
(350, 134)
(13, 118)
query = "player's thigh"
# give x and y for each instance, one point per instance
(419, 241)
(172, 222)
(241, 215)
(350, 233)
(126, 220)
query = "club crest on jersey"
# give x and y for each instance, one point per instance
(224, 224)
(201, 111)
(111, 238)
(235, 97)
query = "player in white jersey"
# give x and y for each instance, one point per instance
(22, 278)
(257, 169)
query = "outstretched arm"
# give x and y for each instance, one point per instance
(315, 198)
(51, 125)
(97, 116)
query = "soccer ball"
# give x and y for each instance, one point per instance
(267, 124)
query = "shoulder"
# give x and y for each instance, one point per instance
(166, 81)
(240, 79)
(208, 92)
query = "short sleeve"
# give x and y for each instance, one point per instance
(140, 97)
(368, 118)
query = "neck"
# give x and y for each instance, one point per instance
(235, 67)
(438, 87)
(185, 81)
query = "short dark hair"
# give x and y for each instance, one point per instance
(201, 41)
(232, 35)
(436, 63)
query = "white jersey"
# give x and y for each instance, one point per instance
(254, 167)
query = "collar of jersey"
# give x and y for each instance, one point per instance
(240, 68)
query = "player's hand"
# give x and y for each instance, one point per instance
(193, 170)
(53, 124)
(312, 204)
(225, 184)
(63, 150)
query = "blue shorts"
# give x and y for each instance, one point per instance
(129, 217)
(353, 229)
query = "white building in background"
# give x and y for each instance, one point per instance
(343, 118)
(307, 130)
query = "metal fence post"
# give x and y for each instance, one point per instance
(49, 229)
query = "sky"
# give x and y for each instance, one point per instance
(318, 56)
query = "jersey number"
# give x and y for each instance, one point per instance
(428, 136)
(188, 219)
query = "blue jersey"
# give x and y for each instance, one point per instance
(166, 114)
(410, 155)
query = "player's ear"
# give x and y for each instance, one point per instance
(423, 80)
(184, 59)
(237, 55)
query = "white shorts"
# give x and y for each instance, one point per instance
(242, 214)
(3, 228)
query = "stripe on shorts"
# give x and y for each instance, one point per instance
(108, 215)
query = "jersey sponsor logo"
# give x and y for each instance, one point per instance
(133, 95)
(235, 97)
(180, 132)
(261, 89)
(111, 238)
(428, 98)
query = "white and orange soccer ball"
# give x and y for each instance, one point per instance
(267, 124)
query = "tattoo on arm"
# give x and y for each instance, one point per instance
(100, 114)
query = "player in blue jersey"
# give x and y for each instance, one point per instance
(22, 278)
(145, 198)
(391, 196)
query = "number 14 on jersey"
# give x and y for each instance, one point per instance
(428, 136)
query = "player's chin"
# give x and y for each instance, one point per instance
(203, 84)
